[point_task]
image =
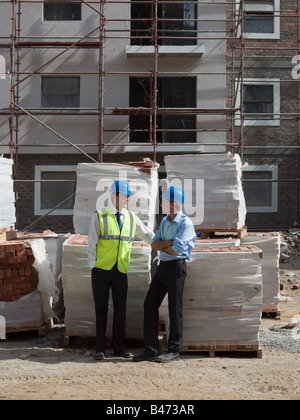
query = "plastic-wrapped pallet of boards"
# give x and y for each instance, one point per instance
(92, 192)
(269, 243)
(7, 203)
(222, 300)
(214, 182)
(78, 295)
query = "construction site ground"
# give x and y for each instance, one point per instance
(41, 368)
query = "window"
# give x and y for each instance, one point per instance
(258, 101)
(261, 19)
(173, 92)
(261, 102)
(66, 10)
(48, 194)
(261, 196)
(61, 92)
(259, 23)
(177, 24)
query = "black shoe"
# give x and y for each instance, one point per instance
(99, 355)
(144, 357)
(166, 358)
(126, 354)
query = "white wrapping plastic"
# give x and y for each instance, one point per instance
(26, 312)
(47, 283)
(78, 295)
(93, 182)
(7, 202)
(269, 243)
(222, 301)
(224, 201)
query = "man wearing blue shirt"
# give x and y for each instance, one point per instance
(175, 240)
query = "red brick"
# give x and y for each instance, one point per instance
(17, 260)
(296, 286)
(5, 287)
(15, 246)
(23, 285)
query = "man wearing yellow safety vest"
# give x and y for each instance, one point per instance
(175, 239)
(111, 234)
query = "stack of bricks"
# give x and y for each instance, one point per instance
(17, 275)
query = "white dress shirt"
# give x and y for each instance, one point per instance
(142, 233)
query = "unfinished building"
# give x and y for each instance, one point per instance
(113, 81)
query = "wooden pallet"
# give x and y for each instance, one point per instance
(272, 312)
(209, 233)
(42, 329)
(213, 349)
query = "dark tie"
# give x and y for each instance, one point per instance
(118, 216)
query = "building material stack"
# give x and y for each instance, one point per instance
(78, 295)
(216, 185)
(269, 243)
(223, 299)
(92, 191)
(17, 275)
(25, 290)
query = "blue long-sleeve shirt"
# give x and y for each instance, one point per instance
(181, 231)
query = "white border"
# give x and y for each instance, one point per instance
(275, 118)
(274, 189)
(37, 189)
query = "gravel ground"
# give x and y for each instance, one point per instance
(284, 339)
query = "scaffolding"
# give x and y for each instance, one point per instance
(152, 33)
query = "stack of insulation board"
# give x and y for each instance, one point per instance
(222, 300)
(223, 204)
(217, 242)
(269, 243)
(92, 191)
(78, 295)
(7, 203)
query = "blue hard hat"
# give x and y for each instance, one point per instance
(120, 187)
(174, 194)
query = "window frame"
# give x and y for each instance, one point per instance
(263, 6)
(38, 211)
(62, 20)
(61, 77)
(273, 169)
(165, 29)
(274, 120)
(161, 121)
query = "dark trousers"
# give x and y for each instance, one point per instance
(169, 278)
(102, 282)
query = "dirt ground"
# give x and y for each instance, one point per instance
(35, 368)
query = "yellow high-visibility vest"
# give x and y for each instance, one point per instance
(115, 246)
